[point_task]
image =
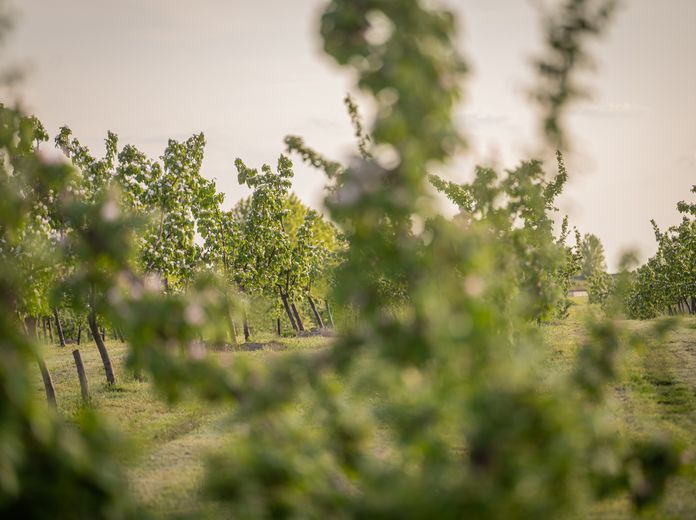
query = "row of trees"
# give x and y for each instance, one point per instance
(666, 283)
(268, 245)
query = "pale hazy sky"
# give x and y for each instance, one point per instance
(247, 73)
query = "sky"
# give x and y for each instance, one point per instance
(247, 73)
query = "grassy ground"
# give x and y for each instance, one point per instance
(168, 444)
(656, 395)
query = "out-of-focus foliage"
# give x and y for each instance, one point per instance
(48, 468)
(453, 419)
(667, 281)
(517, 209)
(567, 30)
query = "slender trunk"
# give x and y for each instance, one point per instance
(245, 326)
(79, 332)
(119, 335)
(43, 327)
(103, 334)
(328, 313)
(280, 331)
(288, 311)
(94, 329)
(231, 328)
(50, 329)
(317, 316)
(234, 333)
(297, 317)
(693, 305)
(48, 382)
(81, 374)
(30, 324)
(59, 328)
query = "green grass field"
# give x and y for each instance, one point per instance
(167, 445)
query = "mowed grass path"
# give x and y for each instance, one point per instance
(167, 445)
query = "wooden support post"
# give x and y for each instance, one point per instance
(81, 374)
(48, 382)
(245, 326)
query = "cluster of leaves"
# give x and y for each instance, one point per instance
(667, 281)
(49, 468)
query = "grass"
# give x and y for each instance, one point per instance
(168, 444)
(656, 395)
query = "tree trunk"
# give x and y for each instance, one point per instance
(317, 316)
(119, 335)
(79, 332)
(103, 334)
(81, 374)
(245, 326)
(328, 313)
(233, 332)
(280, 331)
(693, 305)
(231, 328)
(288, 311)
(50, 329)
(297, 317)
(30, 324)
(94, 329)
(59, 328)
(48, 382)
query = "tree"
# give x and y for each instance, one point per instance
(594, 269)
(517, 209)
(93, 186)
(592, 252)
(282, 244)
